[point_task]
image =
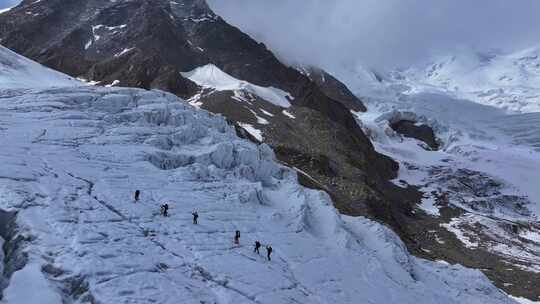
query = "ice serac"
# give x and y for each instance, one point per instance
(70, 181)
(150, 43)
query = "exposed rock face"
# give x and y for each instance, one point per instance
(480, 226)
(148, 43)
(419, 131)
(333, 88)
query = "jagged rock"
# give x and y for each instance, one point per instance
(421, 132)
(333, 88)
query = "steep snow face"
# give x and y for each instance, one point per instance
(211, 77)
(19, 72)
(507, 81)
(73, 157)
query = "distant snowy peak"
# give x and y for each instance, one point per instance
(510, 81)
(211, 77)
(19, 72)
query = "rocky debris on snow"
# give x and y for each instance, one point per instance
(478, 192)
(480, 221)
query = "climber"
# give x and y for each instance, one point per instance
(195, 217)
(268, 252)
(237, 237)
(257, 246)
(137, 194)
(165, 209)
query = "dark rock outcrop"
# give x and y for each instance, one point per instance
(333, 88)
(421, 132)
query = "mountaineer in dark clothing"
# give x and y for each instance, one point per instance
(195, 218)
(237, 237)
(137, 194)
(165, 209)
(268, 252)
(257, 246)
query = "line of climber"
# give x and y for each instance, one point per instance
(164, 211)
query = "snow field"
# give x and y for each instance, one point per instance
(74, 157)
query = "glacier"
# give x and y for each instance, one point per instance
(72, 155)
(488, 162)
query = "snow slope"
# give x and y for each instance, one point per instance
(510, 81)
(210, 76)
(72, 158)
(494, 135)
(19, 72)
(474, 136)
(488, 163)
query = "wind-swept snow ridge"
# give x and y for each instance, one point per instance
(210, 76)
(19, 72)
(73, 157)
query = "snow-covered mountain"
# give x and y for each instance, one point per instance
(472, 162)
(184, 48)
(480, 196)
(72, 233)
(510, 81)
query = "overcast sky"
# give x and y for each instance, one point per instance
(380, 33)
(383, 33)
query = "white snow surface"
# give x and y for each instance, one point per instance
(72, 158)
(488, 138)
(19, 72)
(210, 76)
(474, 136)
(497, 139)
(510, 81)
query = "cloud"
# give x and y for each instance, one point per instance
(382, 33)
